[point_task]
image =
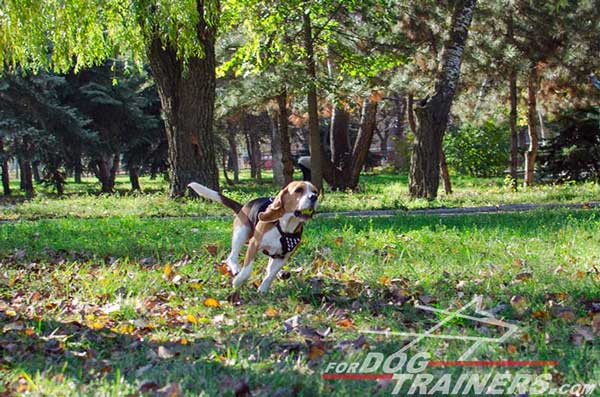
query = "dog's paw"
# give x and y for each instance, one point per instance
(234, 268)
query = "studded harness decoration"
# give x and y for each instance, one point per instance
(289, 241)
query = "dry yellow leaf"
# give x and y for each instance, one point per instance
(384, 280)
(191, 319)
(168, 270)
(211, 302)
(96, 325)
(270, 312)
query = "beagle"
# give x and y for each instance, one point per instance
(271, 225)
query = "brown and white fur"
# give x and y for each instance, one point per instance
(287, 208)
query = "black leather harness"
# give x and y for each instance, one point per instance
(289, 241)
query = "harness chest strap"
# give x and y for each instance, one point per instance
(289, 241)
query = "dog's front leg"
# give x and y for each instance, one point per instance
(275, 265)
(246, 271)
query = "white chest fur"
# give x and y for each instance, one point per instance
(271, 242)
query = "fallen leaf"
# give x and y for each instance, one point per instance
(315, 352)
(345, 323)
(271, 312)
(524, 276)
(338, 241)
(211, 302)
(581, 334)
(566, 313)
(512, 349)
(212, 249)
(171, 390)
(168, 271)
(148, 386)
(15, 326)
(540, 314)
(384, 280)
(292, 323)
(426, 299)
(164, 353)
(191, 319)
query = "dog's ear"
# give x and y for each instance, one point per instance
(275, 210)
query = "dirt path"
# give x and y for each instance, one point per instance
(490, 209)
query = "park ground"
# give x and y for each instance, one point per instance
(123, 294)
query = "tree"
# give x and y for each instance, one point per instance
(5, 169)
(316, 150)
(432, 113)
(177, 38)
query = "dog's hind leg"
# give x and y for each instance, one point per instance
(241, 234)
(246, 271)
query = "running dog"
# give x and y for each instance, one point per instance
(271, 225)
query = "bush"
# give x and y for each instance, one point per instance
(574, 154)
(482, 151)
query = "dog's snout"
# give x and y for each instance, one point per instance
(312, 198)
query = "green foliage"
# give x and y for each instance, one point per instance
(478, 150)
(574, 154)
(40, 34)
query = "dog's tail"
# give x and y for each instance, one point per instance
(215, 196)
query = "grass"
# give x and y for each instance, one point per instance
(378, 191)
(123, 304)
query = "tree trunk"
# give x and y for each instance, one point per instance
(134, 179)
(531, 152)
(224, 164)
(35, 169)
(400, 155)
(363, 140)
(316, 150)
(257, 155)
(77, 171)
(445, 174)
(5, 171)
(286, 147)
(341, 152)
(432, 113)
(276, 155)
(26, 177)
(103, 174)
(187, 94)
(250, 155)
(410, 106)
(59, 182)
(114, 169)
(233, 154)
(514, 135)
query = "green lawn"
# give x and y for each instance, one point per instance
(123, 304)
(377, 191)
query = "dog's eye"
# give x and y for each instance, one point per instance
(298, 190)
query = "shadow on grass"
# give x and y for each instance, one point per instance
(66, 352)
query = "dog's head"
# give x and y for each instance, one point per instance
(299, 198)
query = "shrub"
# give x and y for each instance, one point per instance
(482, 151)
